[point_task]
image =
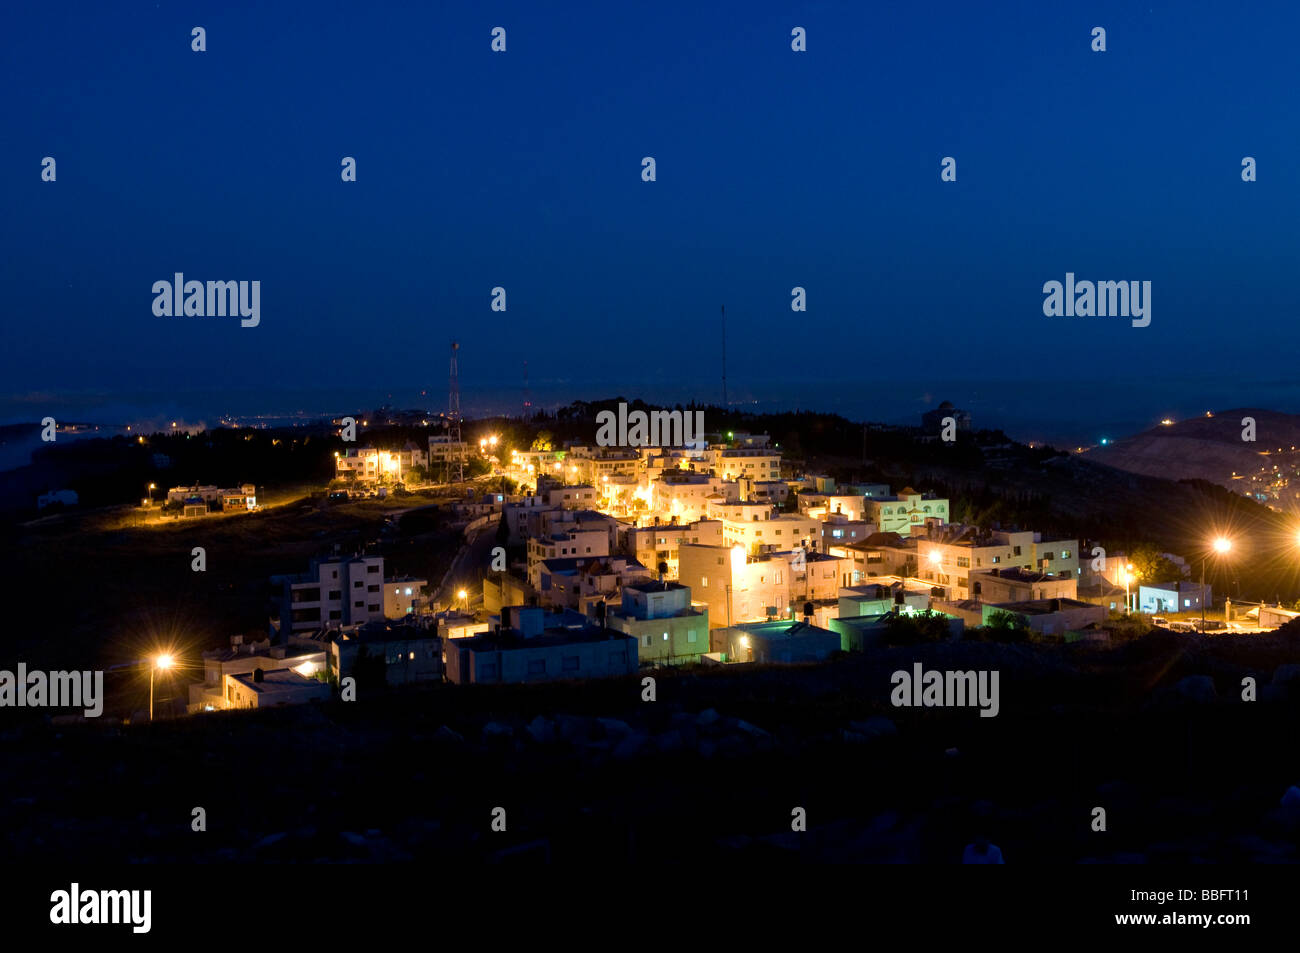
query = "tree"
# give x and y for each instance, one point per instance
(1152, 566)
(1007, 626)
(542, 443)
(904, 628)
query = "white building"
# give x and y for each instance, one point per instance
(348, 590)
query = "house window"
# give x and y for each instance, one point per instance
(373, 607)
(372, 569)
(690, 635)
(645, 641)
(570, 663)
(537, 666)
(336, 594)
(665, 636)
(357, 605)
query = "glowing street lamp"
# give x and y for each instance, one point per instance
(1128, 577)
(462, 596)
(161, 663)
(1221, 545)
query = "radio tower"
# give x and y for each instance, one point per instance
(528, 404)
(453, 414)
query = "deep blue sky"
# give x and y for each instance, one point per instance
(522, 169)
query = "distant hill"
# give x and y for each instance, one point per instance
(1204, 448)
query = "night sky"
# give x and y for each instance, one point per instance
(523, 169)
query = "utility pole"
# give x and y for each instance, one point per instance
(453, 413)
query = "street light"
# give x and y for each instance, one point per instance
(1221, 545)
(162, 662)
(461, 595)
(1128, 576)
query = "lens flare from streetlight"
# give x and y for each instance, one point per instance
(1222, 545)
(164, 662)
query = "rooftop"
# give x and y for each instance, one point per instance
(507, 640)
(1043, 606)
(783, 629)
(276, 680)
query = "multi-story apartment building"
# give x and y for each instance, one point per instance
(586, 543)
(588, 464)
(747, 463)
(758, 528)
(838, 531)
(580, 497)
(369, 464)
(581, 582)
(344, 590)
(660, 616)
(446, 453)
(410, 649)
(950, 558)
(685, 497)
(824, 506)
(1021, 585)
(652, 545)
(739, 587)
(898, 514)
(531, 646)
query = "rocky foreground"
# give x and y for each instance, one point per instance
(723, 764)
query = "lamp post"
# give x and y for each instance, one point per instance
(1221, 545)
(1128, 576)
(162, 662)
